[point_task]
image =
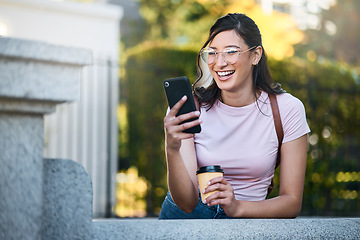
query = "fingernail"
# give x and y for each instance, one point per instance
(197, 113)
(204, 201)
(208, 183)
(203, 191)
(184, 97)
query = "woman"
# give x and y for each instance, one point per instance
(238, 134)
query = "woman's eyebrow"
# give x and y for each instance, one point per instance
(228, 46)
(235, 46)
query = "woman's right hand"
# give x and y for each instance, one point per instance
(174, 125)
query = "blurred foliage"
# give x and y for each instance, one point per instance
(181, 22)
(338, 36)
(130, 194)
(330, 93)
(146, 69)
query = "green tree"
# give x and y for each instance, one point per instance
(331, 96)
(146, 69)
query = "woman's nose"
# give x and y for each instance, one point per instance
(220, 60)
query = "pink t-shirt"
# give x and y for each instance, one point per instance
(243, 141)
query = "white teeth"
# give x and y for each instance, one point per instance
(222, 74)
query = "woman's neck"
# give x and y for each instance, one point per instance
(239, 99)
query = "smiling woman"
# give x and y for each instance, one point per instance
(236, 31)
(232, 72)
(238, 134)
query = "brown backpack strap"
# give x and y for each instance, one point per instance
(277, 122)
(279, 131)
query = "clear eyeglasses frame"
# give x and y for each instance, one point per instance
(230, 55)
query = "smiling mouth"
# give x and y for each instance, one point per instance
(225, 73)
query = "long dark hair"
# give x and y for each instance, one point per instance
(246, 28)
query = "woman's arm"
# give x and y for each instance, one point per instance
(182, 181)
(286, 205)
(181, 158)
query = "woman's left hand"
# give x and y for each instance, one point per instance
(225, 196)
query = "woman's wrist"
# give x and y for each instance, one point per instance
(239, 209)
(172, 153)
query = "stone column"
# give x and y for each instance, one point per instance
(34, 77)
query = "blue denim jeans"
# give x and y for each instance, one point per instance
(169, 210)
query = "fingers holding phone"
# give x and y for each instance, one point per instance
(181, 102)
(176, 125)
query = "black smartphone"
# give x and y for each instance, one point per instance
(175, 89)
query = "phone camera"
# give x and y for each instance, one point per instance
(167, 84)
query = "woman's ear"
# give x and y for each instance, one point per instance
(257, 53)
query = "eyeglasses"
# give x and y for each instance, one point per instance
(230, 55)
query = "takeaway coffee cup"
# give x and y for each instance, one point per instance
(205, 174)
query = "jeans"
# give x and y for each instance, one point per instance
(169, 210)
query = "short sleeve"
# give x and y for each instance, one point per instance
(293, 117)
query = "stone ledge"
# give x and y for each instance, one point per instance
(41, 51)
(300, 228)
(37, 71)
(23, 106)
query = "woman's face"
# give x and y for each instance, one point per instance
(234, 77)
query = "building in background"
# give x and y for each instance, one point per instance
(305, 12)
(84, 131)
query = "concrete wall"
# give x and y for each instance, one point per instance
(84, 131)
